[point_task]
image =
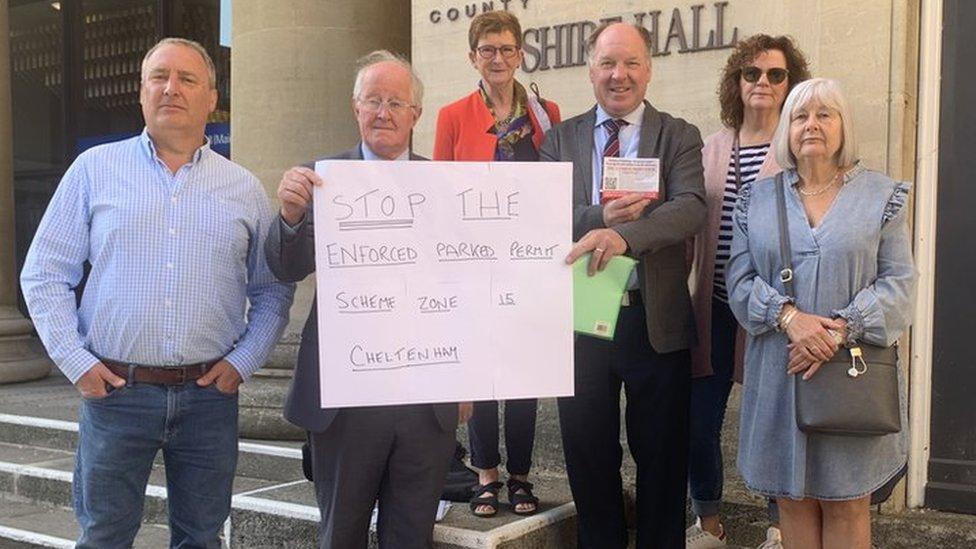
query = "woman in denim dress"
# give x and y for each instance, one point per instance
(854, 280)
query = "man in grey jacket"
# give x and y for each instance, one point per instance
(396, 454)
(649, 354)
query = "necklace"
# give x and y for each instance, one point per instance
(822, 189)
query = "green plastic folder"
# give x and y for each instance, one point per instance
(596, 299)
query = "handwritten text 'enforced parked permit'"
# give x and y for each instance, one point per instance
(627, 175)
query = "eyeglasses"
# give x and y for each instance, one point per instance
(775, 76)
(393, 106)
(488, 52)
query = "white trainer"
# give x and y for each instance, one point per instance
(697, 538)
(774, 539)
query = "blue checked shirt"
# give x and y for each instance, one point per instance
(175, 259)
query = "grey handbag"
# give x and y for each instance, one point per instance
(855, 393)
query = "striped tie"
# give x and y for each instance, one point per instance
(613, 136)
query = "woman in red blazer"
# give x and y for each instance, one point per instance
(499, 121)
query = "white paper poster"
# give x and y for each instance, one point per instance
(443, 281)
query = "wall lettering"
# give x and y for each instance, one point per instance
(563, 45)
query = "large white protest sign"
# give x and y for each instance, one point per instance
(443, 281)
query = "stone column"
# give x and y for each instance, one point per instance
(292, 71)
(22, 358)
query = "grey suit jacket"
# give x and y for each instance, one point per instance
(658, 238)
(292, 259)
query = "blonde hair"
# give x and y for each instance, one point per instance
(826, 92)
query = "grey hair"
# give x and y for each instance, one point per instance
(828, 93)
(381, 56)
(195, 46)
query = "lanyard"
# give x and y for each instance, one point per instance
(735, 154)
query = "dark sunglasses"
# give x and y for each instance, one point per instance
(775, 76)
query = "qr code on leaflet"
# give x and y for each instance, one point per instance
(610, 182)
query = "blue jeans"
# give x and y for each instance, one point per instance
(119, 436)
(709, 396)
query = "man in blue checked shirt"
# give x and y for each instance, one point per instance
(164, 334)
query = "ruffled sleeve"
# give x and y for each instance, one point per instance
(754, 302)
(896, 202)
(881, 313)
(741, 214)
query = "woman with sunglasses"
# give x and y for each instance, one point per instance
(498, 121)
(757, 77)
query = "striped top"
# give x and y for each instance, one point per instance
(178, 272)
(751, 160)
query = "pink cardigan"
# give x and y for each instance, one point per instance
(715, 158)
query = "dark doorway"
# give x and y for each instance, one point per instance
(952, 463)
(75, 72)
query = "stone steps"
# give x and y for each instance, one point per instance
(279, 461)
(272, 506)
(25, 524)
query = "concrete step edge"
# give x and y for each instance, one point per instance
(507, 532)
(70, 429)
(34, 539)
(43, 422)
(255, 459)
(250, 502)
(18, 472)
(31, 524)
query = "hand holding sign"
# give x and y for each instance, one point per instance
(295, 193)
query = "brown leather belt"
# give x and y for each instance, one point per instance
(159, 375)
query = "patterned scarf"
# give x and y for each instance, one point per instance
(514, 128)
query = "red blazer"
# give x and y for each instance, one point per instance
(462, 129)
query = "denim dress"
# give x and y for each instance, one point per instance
(857, 264)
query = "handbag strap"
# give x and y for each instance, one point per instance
(786, 274)
(738, 168)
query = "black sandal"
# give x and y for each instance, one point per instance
(520, 492)
(480, 498)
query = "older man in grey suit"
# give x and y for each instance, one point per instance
(396, 454)
(649, 353)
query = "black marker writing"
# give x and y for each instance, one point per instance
(437, 304)
(364, 303)
(363, 359)
(527, 251)
(372, 204)
(480, 206)
(464, 251)
(367, 255)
